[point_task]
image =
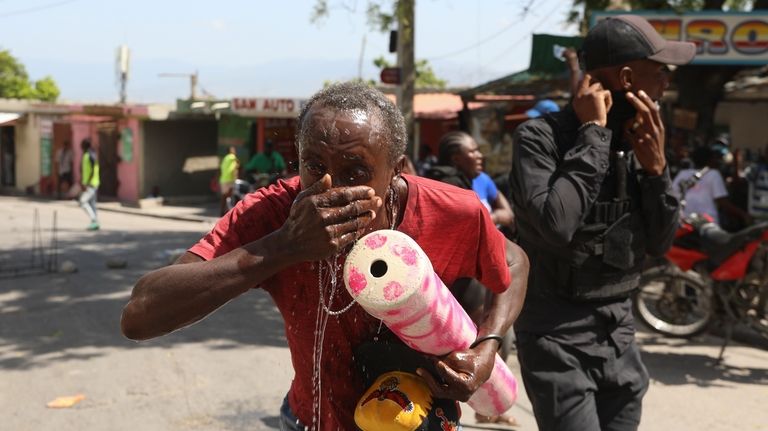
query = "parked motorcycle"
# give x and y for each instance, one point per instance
(709, 275)
(243, 187)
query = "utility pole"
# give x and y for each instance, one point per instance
(192, 81)
(405, 60)
(122, 67)
(360, 60)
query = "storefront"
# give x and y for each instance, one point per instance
(269, 119)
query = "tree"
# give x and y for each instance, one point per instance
(15, 83)
(402, 12)
(46, 89)
(425, 76)
(690, 79)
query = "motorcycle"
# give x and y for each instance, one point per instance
(243, 187)
(709, 275)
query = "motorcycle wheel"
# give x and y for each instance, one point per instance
(673, 302)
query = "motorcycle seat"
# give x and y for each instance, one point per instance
(720, 245)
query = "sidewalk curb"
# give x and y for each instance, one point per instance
(131, 211)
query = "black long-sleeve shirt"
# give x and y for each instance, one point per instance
(553, 191)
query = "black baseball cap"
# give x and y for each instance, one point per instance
(623, 38)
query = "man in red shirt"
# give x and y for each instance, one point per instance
(350, 140)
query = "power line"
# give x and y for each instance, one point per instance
(527, 8)
(475, 45)
(525, 11)
(524, 38)
(35, 9)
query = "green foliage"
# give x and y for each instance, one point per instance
(381, 14)
(425, 76)
(319, 12)
(381, 62)
(15, 83)
(378, 18)
(47, 90)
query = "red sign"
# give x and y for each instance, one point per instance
(390, 75)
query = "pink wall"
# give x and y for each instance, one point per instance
(128, 171)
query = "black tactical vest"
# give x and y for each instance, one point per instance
(606, 253)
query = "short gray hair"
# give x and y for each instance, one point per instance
(351, 96)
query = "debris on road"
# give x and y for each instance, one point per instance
(68, 267)
(65, 402)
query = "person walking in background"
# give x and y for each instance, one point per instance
(89, 182)
(227, 176)
(592, 196)
(64, 162)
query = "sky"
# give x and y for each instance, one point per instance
(259, 48)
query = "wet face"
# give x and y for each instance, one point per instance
(347, 145)
(469, 159)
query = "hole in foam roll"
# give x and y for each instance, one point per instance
(379, 268)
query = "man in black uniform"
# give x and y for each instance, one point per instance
(591, 190)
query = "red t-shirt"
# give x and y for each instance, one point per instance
(449, 223)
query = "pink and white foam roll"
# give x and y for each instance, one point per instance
(392, 279)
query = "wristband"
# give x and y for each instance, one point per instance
(587, 124)
(496, 337)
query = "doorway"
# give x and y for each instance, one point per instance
(108, 160)
(7, 156)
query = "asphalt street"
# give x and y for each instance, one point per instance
(59, 336)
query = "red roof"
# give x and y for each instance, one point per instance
(438, 106)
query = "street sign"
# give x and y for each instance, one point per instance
(390, 75)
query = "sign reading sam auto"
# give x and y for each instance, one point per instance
(268, 107)
(720, 37)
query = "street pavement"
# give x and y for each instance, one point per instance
(59, 336)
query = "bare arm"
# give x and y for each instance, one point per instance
(501, 211)
(175, 296)
(506, 306)
(465, 371)
(324, 221)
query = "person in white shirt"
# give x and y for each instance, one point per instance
(708, 196)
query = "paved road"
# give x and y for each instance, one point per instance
(59, 336)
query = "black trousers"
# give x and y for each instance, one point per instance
(288, 421)
(572, 390)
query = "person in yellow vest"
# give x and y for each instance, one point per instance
(227, 176)
(89, 182)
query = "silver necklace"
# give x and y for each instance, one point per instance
(332, 278)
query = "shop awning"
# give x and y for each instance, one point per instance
(436, 106)
(546, 74)
(8, 118)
